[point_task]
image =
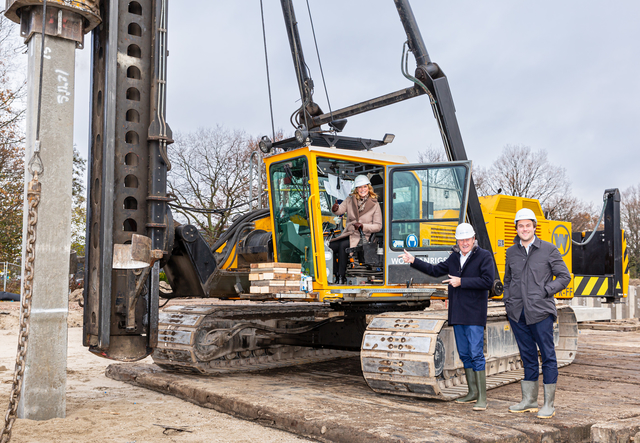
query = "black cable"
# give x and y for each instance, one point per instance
(284, 331)
(235, 231)
(213, 211)
(250, 216)
(595, 228)
(266, 59)
(234, 244)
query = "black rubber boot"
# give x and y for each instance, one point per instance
(547, 410)
(472, 395)
(481, 381)
(529, 401)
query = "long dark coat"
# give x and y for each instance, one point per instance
(468, 302)
(529, 282)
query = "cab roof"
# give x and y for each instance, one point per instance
(365, 156)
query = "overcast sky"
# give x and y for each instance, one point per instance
(562, 76)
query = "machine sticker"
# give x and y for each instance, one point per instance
(561, 238)
(412, 241)
(398, 244)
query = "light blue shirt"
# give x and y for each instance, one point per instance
(526, 248)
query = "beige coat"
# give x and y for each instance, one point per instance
(370, 217)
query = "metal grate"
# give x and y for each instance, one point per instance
(506, 204)
(443, 236)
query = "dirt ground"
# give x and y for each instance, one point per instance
(103, 410)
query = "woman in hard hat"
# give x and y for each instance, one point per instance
(363, 212)
(471, 272)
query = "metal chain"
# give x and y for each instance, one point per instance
(33, 195)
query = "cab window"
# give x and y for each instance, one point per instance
(290, 194)
(426, 206)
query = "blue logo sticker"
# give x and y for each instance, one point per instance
(398, 244)
(412, 241)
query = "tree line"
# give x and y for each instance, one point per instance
(210, 179)
(520, 171)
(211, 172)
(11, 148)
(12, 166)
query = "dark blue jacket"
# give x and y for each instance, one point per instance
(467, 302)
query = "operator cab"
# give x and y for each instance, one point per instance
(421, 206)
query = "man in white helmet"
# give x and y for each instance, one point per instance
(471, 273)
(529, 287)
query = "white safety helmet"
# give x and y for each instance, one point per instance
(525, 214)
(464, 230)
(361, 180)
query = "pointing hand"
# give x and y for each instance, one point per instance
(453, 281)
(408, 258)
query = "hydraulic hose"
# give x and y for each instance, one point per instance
(604, 205)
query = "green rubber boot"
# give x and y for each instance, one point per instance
(472, 395)
(481, 381)
(529, 401)
(547, 410)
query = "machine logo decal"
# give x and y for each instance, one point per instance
(561, 238)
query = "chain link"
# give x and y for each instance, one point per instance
(33, 195)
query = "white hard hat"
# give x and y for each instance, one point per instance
(464, 230)
(525, 214)
(361, 180)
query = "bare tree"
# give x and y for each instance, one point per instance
(630, 215)
(432, 155)
(481, 180)
(79, 208)
(11, 149)
(521, 172)
(583, 216)
(210, 172)
(12, 88)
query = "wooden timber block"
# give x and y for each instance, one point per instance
(276, 265)
(259, 290)
(294, 283)
(273, 276)
(274, 270)
(276, 289)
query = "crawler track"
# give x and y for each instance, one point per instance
(403, 353)
(414, 354)
(182, 332)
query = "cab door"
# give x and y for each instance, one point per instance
(293, 214)
(424, 205)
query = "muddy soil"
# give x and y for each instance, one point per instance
(103, 410)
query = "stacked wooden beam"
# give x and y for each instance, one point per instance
(274, 278)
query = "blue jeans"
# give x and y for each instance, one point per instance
(470, 343)
(530, 338)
